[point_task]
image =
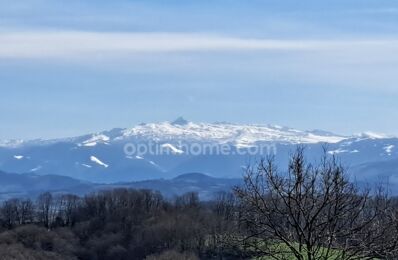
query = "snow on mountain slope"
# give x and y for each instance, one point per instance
(102, 157)
(98, 161)
(241, 135)
(372, 135)
(95, 139)
(339, 151)
(10, 143)
(172, 148)
(389, 149)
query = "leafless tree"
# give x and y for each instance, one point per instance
(46, 209)
(25, 211)
(69, 204)
(313, 212)
(9, 213)
(17, 212)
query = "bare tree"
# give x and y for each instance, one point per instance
(25, 211)
(9, 213)
(68, 204)
(187, 200)
(312, 212)
(46, 209)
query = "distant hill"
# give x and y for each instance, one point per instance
(206, 186)
(30, 185)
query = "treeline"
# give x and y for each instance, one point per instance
(114, 224)
(309, 212)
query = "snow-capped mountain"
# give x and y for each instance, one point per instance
(102, 157)
(226, 133)
(183, 130)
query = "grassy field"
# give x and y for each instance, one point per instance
(282, 251)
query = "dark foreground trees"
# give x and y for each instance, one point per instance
(307, 212)
(114, 224)
(314, 212)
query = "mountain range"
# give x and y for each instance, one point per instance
(14, 185)
(168, 149)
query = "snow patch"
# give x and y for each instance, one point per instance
(98, 161)
(18, 157)
(338, 151)
(277, 126)
(389, 149)
(36, 169)
(173, 149)
(96, 139)
(134, 157)
(90, 144)
(11, 143)
(87, 166)
(153, 163)
(372, 135)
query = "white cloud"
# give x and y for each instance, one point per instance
(70, 45)
(354, 62)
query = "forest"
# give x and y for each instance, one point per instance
(310, 211)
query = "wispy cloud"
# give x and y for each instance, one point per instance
(68, 44)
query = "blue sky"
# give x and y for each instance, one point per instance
(73, 67)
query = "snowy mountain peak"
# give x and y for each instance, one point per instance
(244, 134)
(170, 148)
(11, 143)
(239, 135)
(180, 121)
(372, 135)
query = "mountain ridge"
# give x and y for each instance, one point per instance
(179, 126)
(30, 185)
(102, 157)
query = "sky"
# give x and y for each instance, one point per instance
(74, 67)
